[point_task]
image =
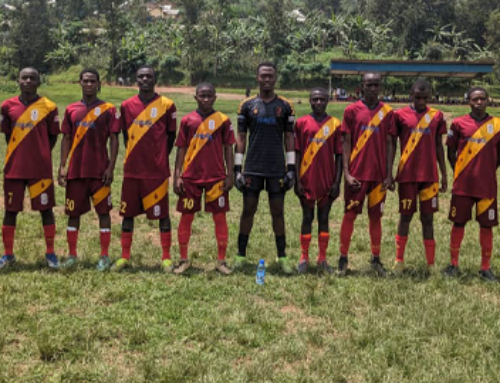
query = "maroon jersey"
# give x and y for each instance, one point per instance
(29, 126)
(369, 164)
(319, 177)
(420, 164)
(97, 122)
(208, 163)
(147, 126)
(478, 177)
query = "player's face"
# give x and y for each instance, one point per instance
(420, 99)
(371, 86)
(478, 102)
(205, 97)
(319, 102)
(266, 78)
(146, 79)
(89, 83)
(29, 80)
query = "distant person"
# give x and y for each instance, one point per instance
(247, 92)
(318, 148)
(31, 125)
(473, 149)
(148, 121)
(204, 167)
(86, 170)
(269, 120)
(420, 130)
(368, 155)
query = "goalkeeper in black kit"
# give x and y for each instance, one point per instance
(269, 120)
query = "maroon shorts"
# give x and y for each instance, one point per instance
(216, 199)
(427, 193)
(80, 191)
(321, 202)
(376, 198)
(461, 210)
(144, 196)
(41, 194)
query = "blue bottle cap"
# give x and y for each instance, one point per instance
(261, 262)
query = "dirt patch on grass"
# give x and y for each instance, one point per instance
(190, 90)
(298, 319)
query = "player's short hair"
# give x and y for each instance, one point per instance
(146, 67)
(421, 85)
(372, 73)
(267, 64)
(205, 84)
(90, 70)
(30, 68)
(478, 89)
(319, 89)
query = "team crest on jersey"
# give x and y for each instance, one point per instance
(44, 198)
(326, 130)
(490, 128)
(380, 114)
(154, 112)
(211, 124)
(427, 118)
(222, 201)
(157, 210)
(256, 111)
(278, 111)
(34, 115)
(97, 111)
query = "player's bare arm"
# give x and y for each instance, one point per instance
(389, 179)
(179, 161)
(335, 189)
(107, 177)
(441, 163)
(65, 147)
(452, 156)
(229, 158)
(352, 182)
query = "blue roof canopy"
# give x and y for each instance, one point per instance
(461, 69)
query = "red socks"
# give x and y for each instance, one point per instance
(72, 237)
(166, 242)
(323, 239)
(457, 235)
(400, 248)
(305, 241)
(105, 240)
(375, 226)
(346, 230)
(221, 234)
(486, 241)
(430, 250)
(49, 232)
(184, 233)
(126, 244)
(8, 239)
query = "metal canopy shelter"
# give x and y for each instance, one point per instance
(460, 69)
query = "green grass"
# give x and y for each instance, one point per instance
(143, 326)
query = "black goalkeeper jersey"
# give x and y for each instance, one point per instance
(267, 123)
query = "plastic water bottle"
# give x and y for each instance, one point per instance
(261, 272)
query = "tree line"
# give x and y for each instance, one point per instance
(223, 39)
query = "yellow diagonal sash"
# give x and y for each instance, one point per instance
(317, 143)
(145, 120)
(27, 122)
(476, 143)
(38, 188)
(83, 128)
(215, 192)
(376, 196)
(429, 193)
(376, 120)
(415, 137)
(209, 126)
(155, 196)
(484, 205)
(100, 195)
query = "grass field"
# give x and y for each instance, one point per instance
(143, 326)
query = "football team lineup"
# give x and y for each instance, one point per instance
(267, 148)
